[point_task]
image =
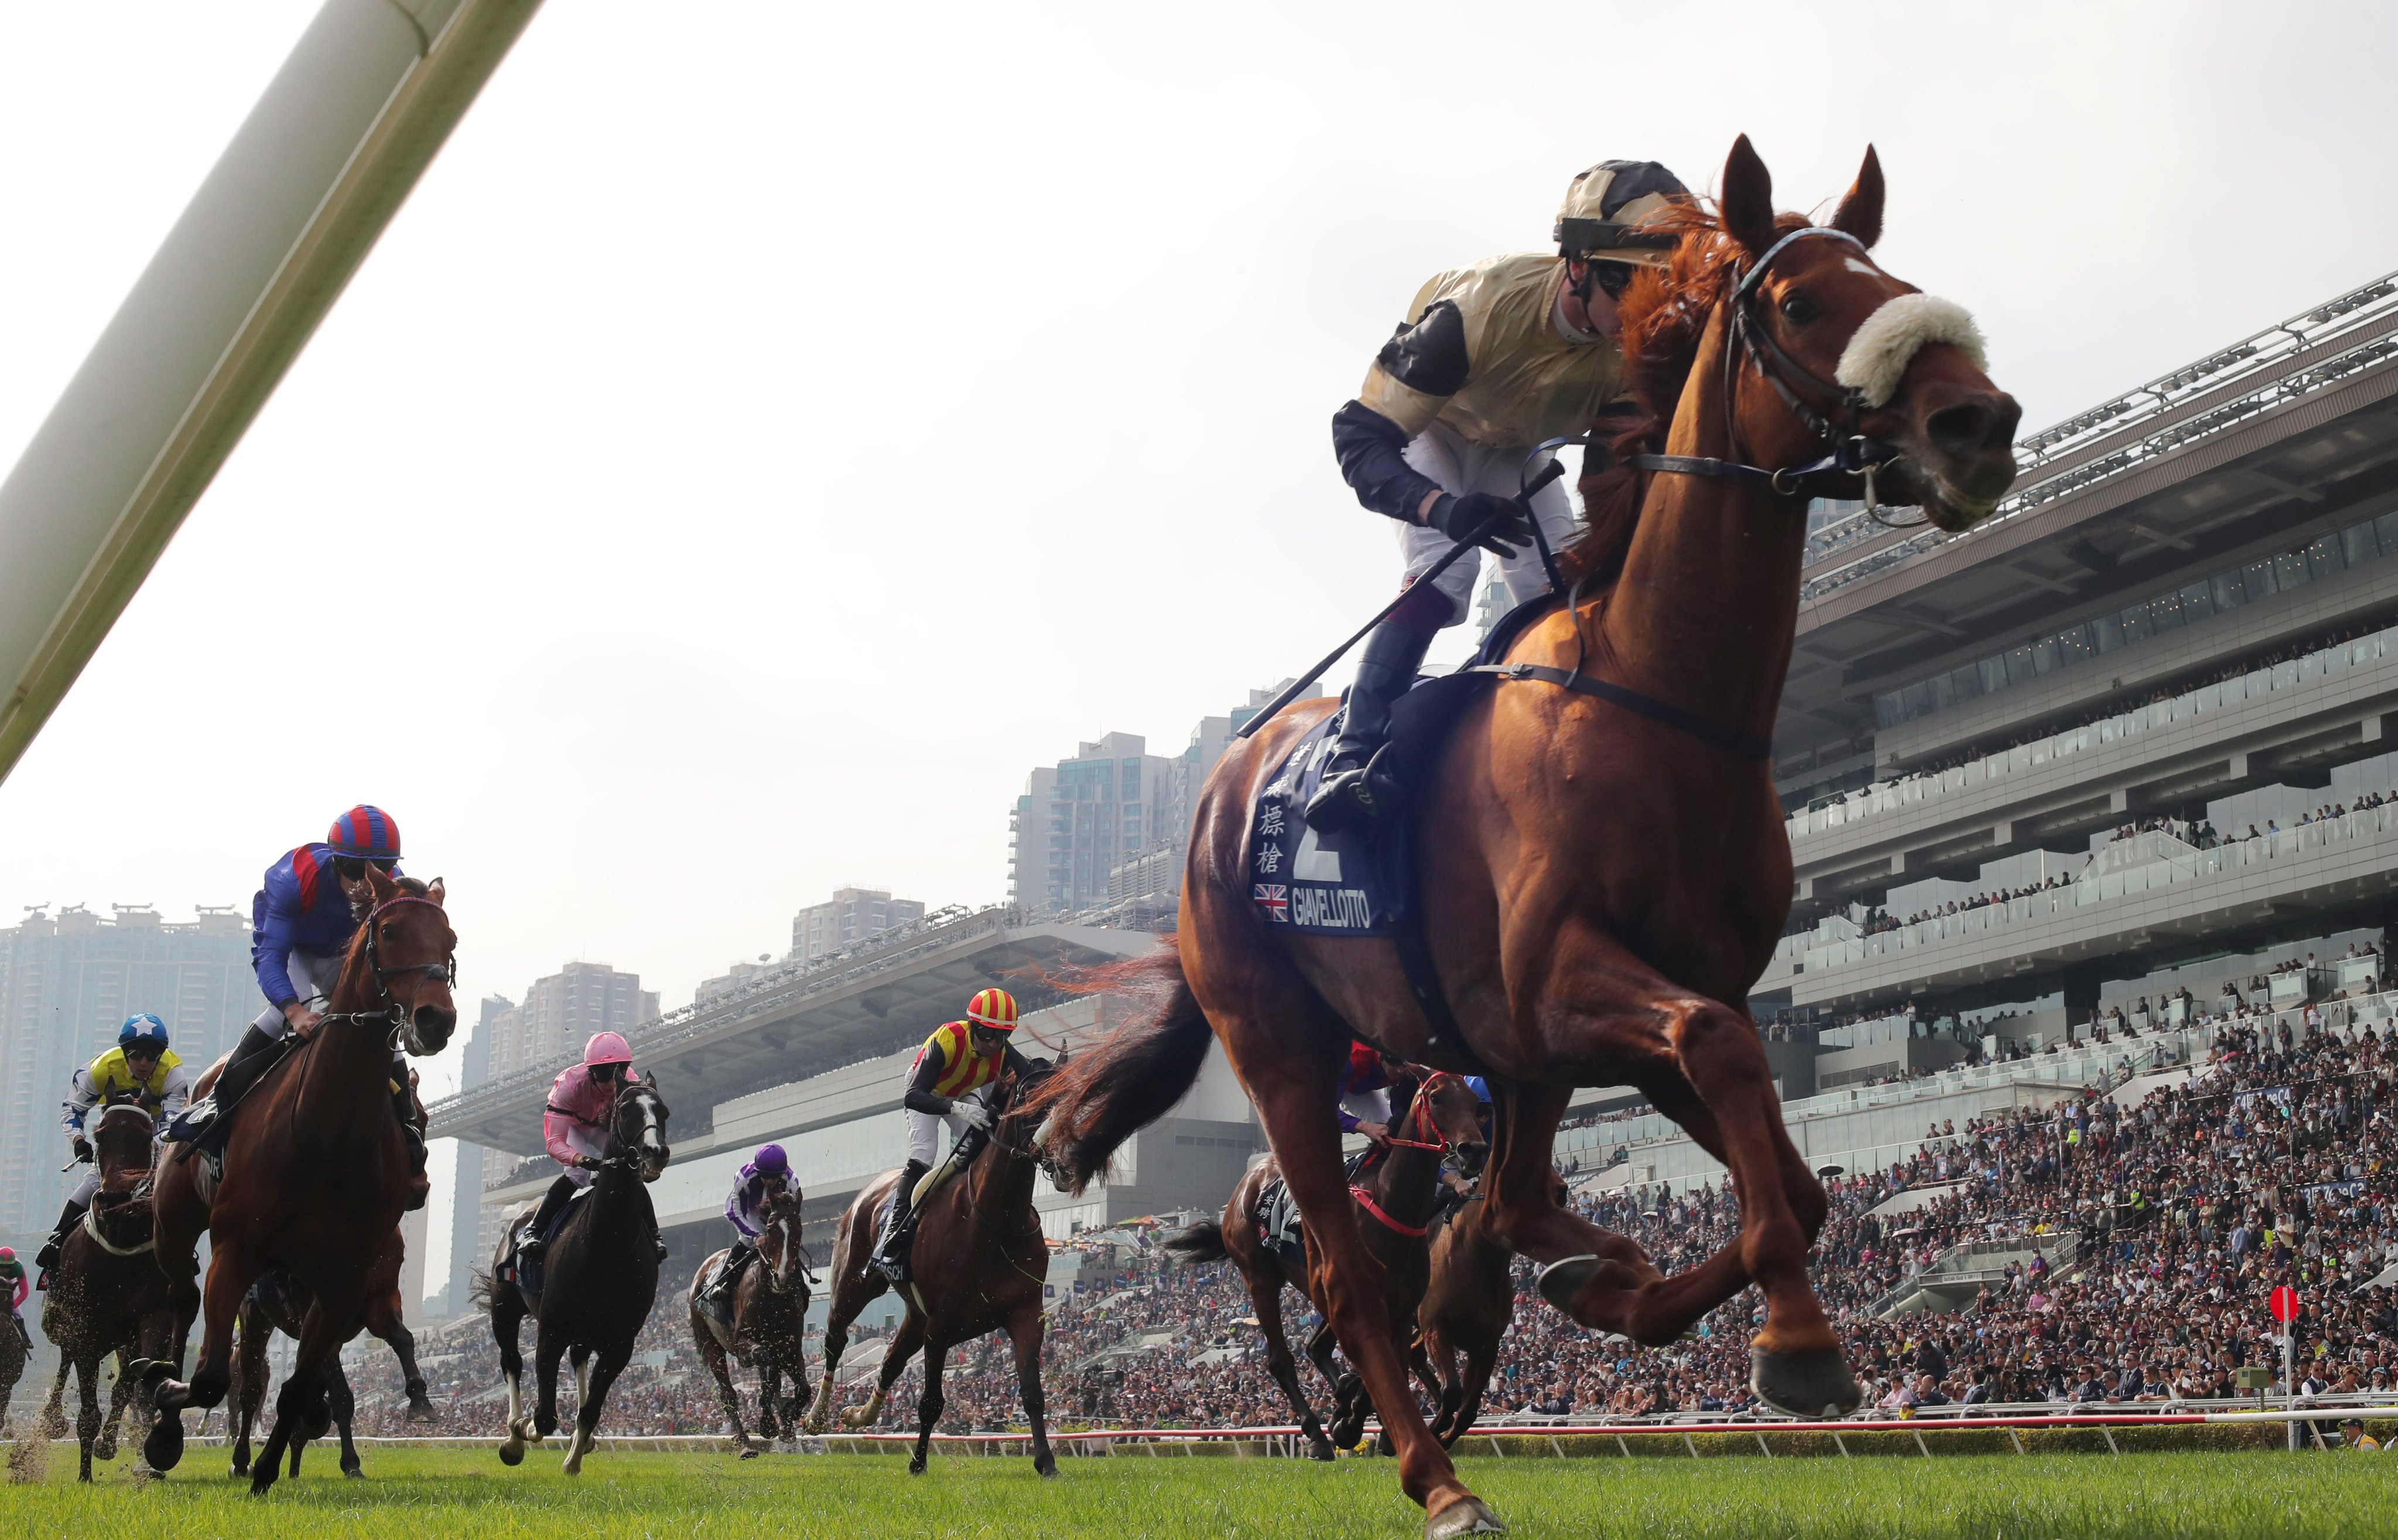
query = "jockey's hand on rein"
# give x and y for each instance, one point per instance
(82, 1148)
(1503, 527)
(304, 1022)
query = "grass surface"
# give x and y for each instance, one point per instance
(457, 1492)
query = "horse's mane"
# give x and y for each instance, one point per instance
(1666, 312)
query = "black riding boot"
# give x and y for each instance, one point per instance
(720, 1291)
(898, 1224)
(1352, 794)
(206, 1122)
(532, 1246)
(47, 1257)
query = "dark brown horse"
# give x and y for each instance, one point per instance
(770, 1314)
(980, 1262)
(1467, 1308)
(278, 1303)
(107, 1296)
(317, 1172)
(1396, 1190)
(1599, 885)
(598, 1282)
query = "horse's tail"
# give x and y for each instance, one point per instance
(1102, 1097)
(479, 1289)
(1202, 1242)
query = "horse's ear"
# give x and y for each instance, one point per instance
(1860, 210)
(436, 893)
(382, 887)
(1747, 203)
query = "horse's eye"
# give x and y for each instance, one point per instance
(1798, 309)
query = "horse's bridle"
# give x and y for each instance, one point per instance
(632, 1157)
(1415, 1118)
(396, 1015)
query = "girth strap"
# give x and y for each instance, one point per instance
(1738, 745)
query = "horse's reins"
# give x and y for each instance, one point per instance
(1414, 1123)
(1851, 455)
(395, 1014)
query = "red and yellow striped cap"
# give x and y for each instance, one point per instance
(994, 1008)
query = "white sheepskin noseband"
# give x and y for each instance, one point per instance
(1878, 356)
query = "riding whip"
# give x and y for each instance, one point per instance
(1273, 708)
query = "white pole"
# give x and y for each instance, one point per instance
(266, 245)
(2290, 1377)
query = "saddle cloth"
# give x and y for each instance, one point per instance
(1361, 882)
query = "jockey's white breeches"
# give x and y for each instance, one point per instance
(1462, 467)
(315, 978)
(589, 1142)
(1373, 1106)
(923, 1128)
(81, 1196)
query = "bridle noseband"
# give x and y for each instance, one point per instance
(396, 1015)
(1415, 1119)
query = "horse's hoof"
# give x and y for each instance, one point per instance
(1562, 1279)
(1466, 1516)
(915, 1465)
(104, 1447)
(162, 1450)
(354, 1473)
(421, 1412)
(512, 1453)
(1047, 1466)
(1804, 1385)
(747, 1453)
(1323, 1452)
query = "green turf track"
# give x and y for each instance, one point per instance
(450, 1495)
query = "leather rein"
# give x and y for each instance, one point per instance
(1414, 1124)
(1850, 455)
(395, 1015)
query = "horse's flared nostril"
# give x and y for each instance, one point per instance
(1960, 429)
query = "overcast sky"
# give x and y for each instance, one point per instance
(770, 431)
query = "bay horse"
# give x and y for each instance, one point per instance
(278, 1303)
(770, 1314)
(1466, 1310)
(1396, 1190)
(1600, 882)
(316, 1173)
(979, 1263)
(107, 1296)
(598, 1282)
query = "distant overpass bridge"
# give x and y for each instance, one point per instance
(803, 1020)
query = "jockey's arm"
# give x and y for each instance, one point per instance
(82, 1096)
(737, 1209)
(173, 1096)
(1423, 364)
(270, 954)
(921, 1096)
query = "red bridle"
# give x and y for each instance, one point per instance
(1415, 1119)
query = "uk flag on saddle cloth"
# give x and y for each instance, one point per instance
(1318, 884)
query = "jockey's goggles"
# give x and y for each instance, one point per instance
(1612, 278)
(608, 1070)
(355, 866)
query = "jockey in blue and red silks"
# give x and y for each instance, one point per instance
(764, 1178)
(301, 925)
(574, 1124)
(1364, 1092)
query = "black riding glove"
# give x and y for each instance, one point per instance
(82, 1148)
(1503, 527)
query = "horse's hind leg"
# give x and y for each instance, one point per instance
(1348, 1421)
(395, 1334)
(904, 1343)
(1265, 1294)
(507, 1321)
(929, 1410)
(88, 1411)
(1479, 1358)
(120, 1390)
(848, 1298)
(248, 1388)
(548, 1346)
(594, 1380)
(1024, 1336)
(711, 1353)
(346, 1409)
(770, 1384)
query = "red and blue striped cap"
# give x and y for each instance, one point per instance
(365, 831)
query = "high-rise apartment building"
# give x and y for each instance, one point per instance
(1078, 819)
(67, 983)
(560, 1013)
(466, 1186)
(851, 915)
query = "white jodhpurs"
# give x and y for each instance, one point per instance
(923, 1128)
(83, 1189)
(1373, 1106)
(314, 977)
(1460, 469)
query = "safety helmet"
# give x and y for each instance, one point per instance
(1605, 207)
(994, 1008)
(365, 831)
(8, 1253)
(144, 1031)
(771, 1161)
(607, 1047)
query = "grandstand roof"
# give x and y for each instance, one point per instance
(802, 1020)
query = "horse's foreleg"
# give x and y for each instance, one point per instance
(548, 1346)
(88, 1408)
(592, 1382)
(402, 1343)
(120, 1390)
(345, 1407)
(929, 1410)
(230, 1273)
(54, 1415)
(1024, 1336)
(302, 1402)
(904, 1343)
(1265, 1297)
(711, 1353)
(507, 1321)
(770, 1384)
(249, 1387)
(1479, 1357)
(836, 1342)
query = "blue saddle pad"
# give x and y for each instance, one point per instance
(1322, 884)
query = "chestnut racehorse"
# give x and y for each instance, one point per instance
(1600, 882)
(978, 1261)
(106, 1295)
(277, 1304)
(316, 1173)
(1396, 1190)
(770, 1314)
